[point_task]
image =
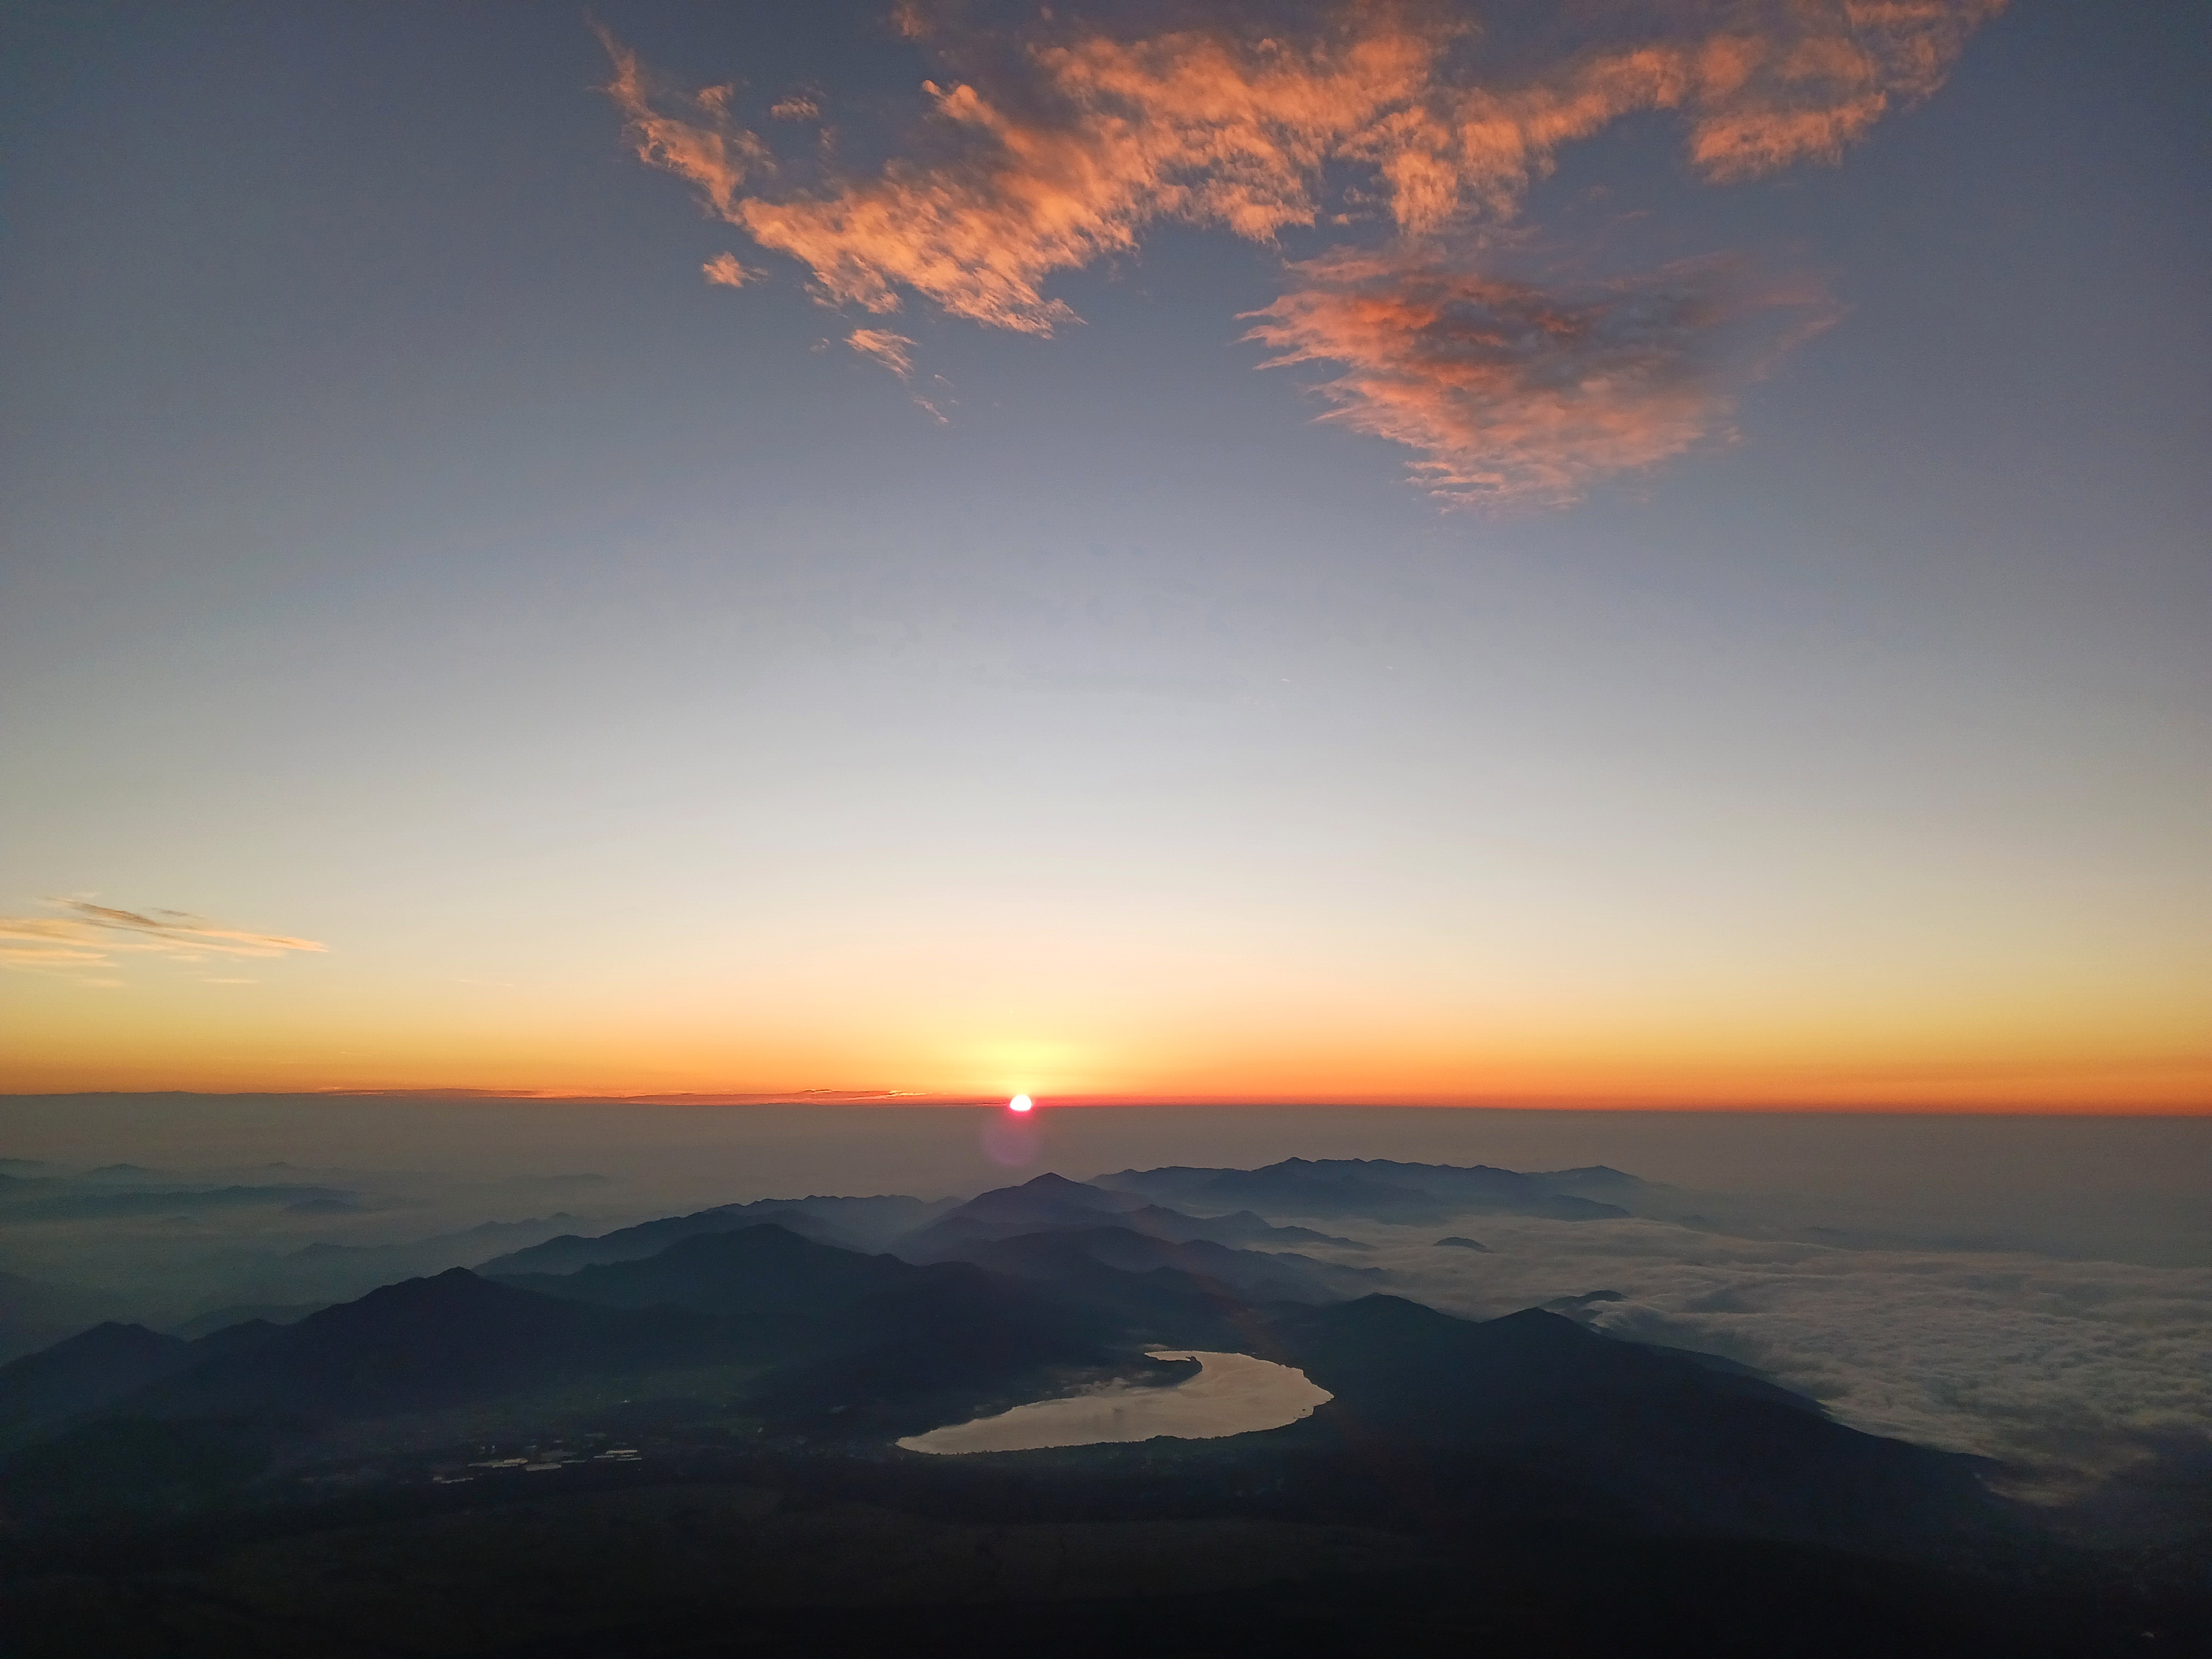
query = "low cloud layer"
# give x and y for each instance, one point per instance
(1048, 145)
(80, 938)
(2066, 1370)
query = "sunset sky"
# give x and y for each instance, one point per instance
(1637, 552)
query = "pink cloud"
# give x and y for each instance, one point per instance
(724, 271)
(1513, 394)
(880, 345)
(1045, 149)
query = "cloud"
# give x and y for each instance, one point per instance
(85, 938)
(724, 271)
(1516, 393)
(894, 351)
(1047, 147)
(2066, 1370)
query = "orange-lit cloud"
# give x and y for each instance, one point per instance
(880, 345)
(85, 938)
(1514, 393)
(724, 271)
(1044, 150)
(895, 353)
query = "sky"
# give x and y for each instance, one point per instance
(1623, 555)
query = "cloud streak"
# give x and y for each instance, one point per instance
(85, 939)
(880, 345)
(1046, 148)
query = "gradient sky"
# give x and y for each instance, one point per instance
(522, 575)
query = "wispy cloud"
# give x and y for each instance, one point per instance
(880, 345)
(1515, 393)
(895, 353)
(724, 271)
(1048, 148)
(82, 939)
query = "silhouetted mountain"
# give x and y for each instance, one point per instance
(1606, 1185)
(1249, 1275)
(1047, 1197)
(1376, 1189)
(466, 1249)
(92, 1369)
(426, 1342)
(870, 1334)
(1237, 1227)
(1458, 1244)
(938, 1347)
(861, 1223)
(1667, 1440)
(35, 1315)
(764, 1276)
(1051, 1202)
(1576, 1307)
(241, 1313)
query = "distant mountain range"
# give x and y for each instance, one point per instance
(1017, 1293)
(640, 1442)
(1379, 1189)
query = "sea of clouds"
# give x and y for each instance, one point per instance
(2058, 1368)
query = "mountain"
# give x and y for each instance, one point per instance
(1048, 1197)
(1377, 1190)
(862, 1224)
(35, 1315)
(763, 1275)
(317, 1275)
(1052, 1202)
(811, 1330)
(1052, 1254)
(424, 1343)
(950, 1343)
(1606, 1185)
(872, 1338)
(1651, 1436)
(89, 1370)
(242, 1313)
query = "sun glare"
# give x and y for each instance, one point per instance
(1018, 1103)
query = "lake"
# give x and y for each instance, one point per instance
(1232, 1394)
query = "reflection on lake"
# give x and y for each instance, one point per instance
(1232, 1394)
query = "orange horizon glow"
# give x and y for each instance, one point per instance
(2188, 1099)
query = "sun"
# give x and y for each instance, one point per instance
(1018, 1103)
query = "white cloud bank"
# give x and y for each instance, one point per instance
(2054, 1366)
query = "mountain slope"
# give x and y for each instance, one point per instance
(91, 1369)
(862, 1224)
(1666, 1439)
(1250, 1275)
(763, 1277)
(423, 1343)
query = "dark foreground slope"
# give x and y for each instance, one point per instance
(789, 1553)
